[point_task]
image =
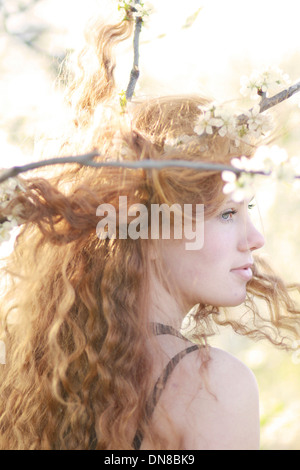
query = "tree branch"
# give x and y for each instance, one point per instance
(135, 72)
(85, 160)
(267, 103)
(88, 160)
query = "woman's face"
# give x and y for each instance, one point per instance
(216, 274)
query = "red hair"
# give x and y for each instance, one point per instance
(74, 317)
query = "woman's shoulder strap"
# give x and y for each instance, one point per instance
(161, 329)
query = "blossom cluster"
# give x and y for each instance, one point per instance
(137, 10)
(262, 83)
(7, 227)
(219, 118)
(216, 118)
(271, 161)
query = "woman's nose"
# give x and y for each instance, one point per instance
(252, 239)
(257, 240)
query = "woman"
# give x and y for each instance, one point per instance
(91, 320)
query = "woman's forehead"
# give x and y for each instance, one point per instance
(245, 201)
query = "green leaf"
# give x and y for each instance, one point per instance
(191, 19)
(123, 101)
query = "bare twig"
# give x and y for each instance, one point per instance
(268, 103)
(85, 160)
(135, 72)
(88, 160)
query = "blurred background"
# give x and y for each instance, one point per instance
(201, 46)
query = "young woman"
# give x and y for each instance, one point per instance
(95, 356)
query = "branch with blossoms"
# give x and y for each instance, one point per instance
(134, 9)
(254, 123)
(239, 177)
(273, 162)
(268, 103)
(214, 118)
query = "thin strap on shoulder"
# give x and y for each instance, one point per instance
(160, 329)
(161, 382)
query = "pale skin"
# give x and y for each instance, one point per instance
(218, 410)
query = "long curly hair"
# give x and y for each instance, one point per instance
(74, 317)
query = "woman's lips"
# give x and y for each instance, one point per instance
(244, 273)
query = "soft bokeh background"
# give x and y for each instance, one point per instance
(191, 46)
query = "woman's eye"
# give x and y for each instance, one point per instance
(228, 215)
(251, 206)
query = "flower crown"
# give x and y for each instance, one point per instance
(215, 118)
(240, 178)
(252, 124)
(220, 118)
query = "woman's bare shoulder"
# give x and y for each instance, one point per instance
(218, 404)
(222, 372)
(224, 368)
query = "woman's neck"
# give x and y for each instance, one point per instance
(163, 307)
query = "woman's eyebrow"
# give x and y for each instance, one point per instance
(231, 201)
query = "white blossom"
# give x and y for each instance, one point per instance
(250, 86)
(241, 134)
(230, 179)
(227, 121)
(243, 186)
(242, 163)
(221, 119)
(282, 167)
(239, 188)
(205, 124)
(214, 116)
(172, 142)
(271, 161)
(6, 228)
(263, 82)
(258, 124)
(7, 190)
(138, 10)
(270, 158)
